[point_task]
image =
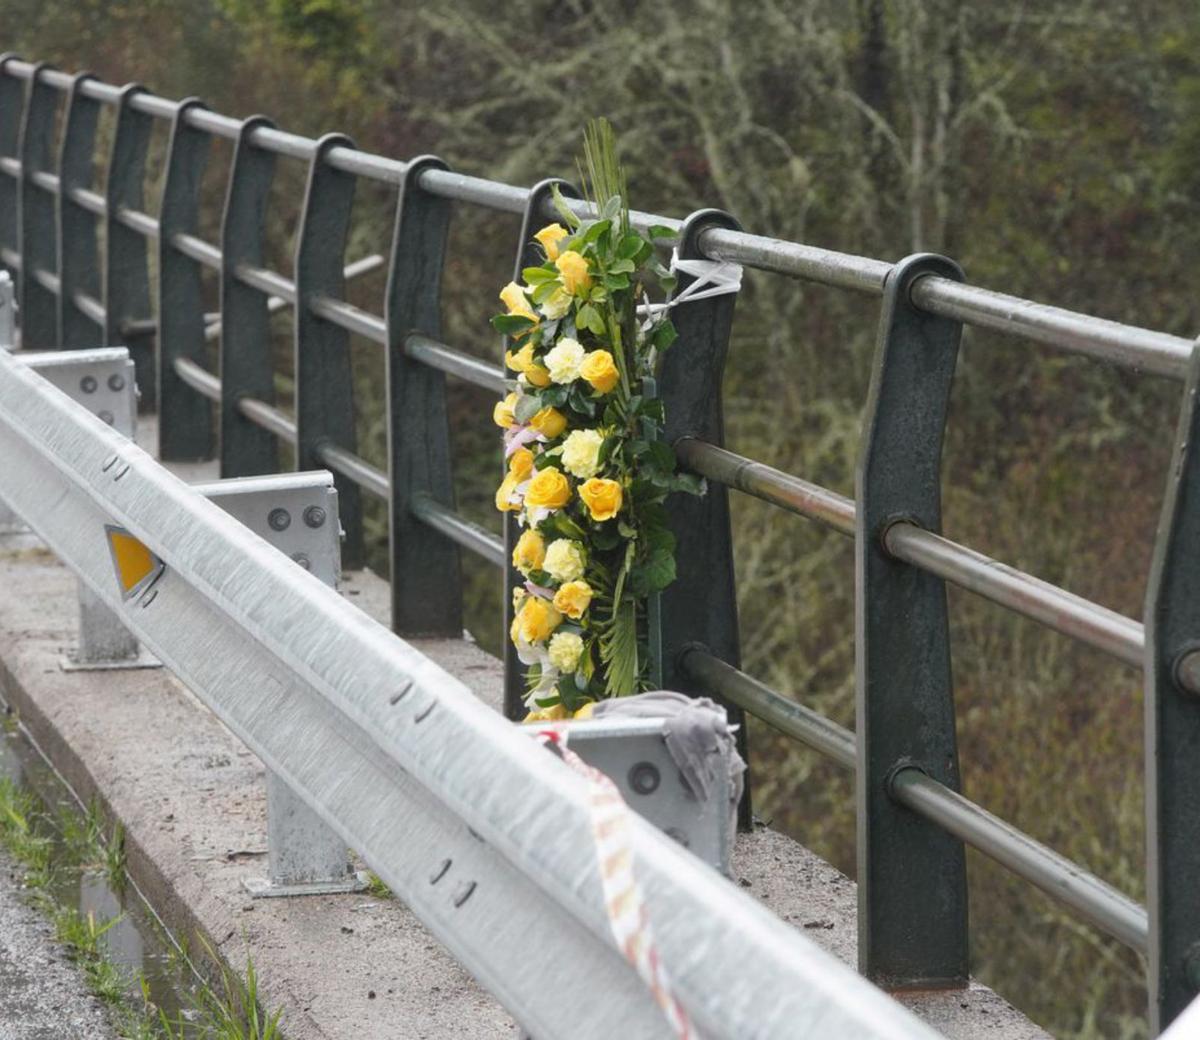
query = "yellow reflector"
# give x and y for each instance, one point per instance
(136, 566)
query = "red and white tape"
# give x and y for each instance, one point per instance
(623, 900)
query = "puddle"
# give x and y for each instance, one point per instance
(136, 942)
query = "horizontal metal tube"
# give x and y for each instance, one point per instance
(10, 258)
(198, 378)
(153, 105)
(491, 194)
(46, 279)
(1157, 353)
(1022, 593)
(347, 316)
(213, 123)
(266, 281)
(136, 220)
(10, 166)
(782, 713)
(458, 529)
(46, 181)
(90, 306)
(454, 362)
(841, 270)
(364, 164)
(356, 469)
(92, 201)
(268, 417)
(198, 249)
(1096, 901)
(769, 484)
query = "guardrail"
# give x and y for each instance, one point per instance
(913, 818)
(485, 835)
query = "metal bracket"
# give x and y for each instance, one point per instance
(298, 514)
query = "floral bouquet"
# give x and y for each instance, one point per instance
(587, 474)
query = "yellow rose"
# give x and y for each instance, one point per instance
(556, 713)
(602, 497)
(549, 422)
(520, 464)
(502, 414)
(537, 620)
(574, 271)
(529, 552)
(548, 489)
(504, 494)
(586, 711)
(599, 370)
(573, 598)
(513, 297)
(549, 238)
(565, 649)
(522, 361)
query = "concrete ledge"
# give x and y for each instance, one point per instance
(193, 803)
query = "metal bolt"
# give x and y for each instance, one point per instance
(279, 520)
(1187, 670)
(106, 417)
(314, 516)
(303, 560)
(1191, 967)
(644, 778)
(116, 381)
(88, 384)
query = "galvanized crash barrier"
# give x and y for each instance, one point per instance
(58, 234)
(485, 835)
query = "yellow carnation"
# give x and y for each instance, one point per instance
(513, 297)
(565, 649)
(549, 238)
(564, 359)
(529, 552)
(548, 489)
(557, 304)
(599, 369)
(537, 620)
(573, 269)
(549, 422)
(602, 497)
(581, 453)
(564, 560)
(502, 414)
(573, 599)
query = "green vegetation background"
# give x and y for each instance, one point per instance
(1050, 147)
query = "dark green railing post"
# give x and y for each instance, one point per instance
(912, 886)
(12, 108)
(700, 608)
(426, 571)
(39, 305)
(529, 254)
(1172, 629)
(324, 380)
(126, 252)
(246, 365)
(185, 418)
(78, 248)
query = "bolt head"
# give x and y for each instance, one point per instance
(88, 384)
(644, 778)
(279, 519)
(314, 516)
(116, 381)
(303, 560)
(106, 417)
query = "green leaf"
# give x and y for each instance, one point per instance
(562, 525)
(630, 245)
(528, 405)
(622, 267)
(544, 291)
(537, 275)
(560, 207)
(659, 570)
(594, 232)
(661, 231)
(663, 335)
(619, 651)
(589, 318)
(663, 455)
(512, 324)
(689, 484)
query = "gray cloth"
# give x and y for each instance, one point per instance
(698, 736)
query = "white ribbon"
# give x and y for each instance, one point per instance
(712, 278)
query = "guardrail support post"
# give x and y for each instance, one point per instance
(324, 378)
(78, 257)
(529, 254)
(39, 308)
(912, 886)
(126, 260)
(298, 514)
(426, 572)
(246, 368)
(185, 418)
(1172, 626)
(700, 608)
(12, 107)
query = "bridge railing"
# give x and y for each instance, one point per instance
(913, 819)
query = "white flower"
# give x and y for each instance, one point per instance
(564, 560)
(565, 649)
(581, 453)
(564, 360)
(556, 305)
